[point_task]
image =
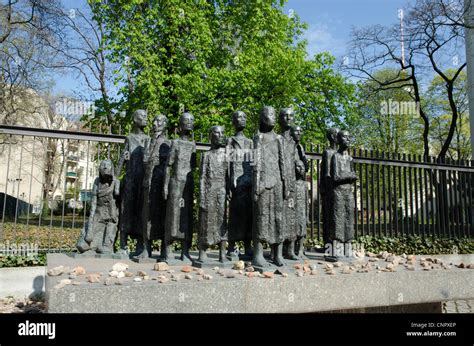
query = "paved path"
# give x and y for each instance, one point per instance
(459, 306)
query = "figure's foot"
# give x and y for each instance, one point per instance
(202, 258)
(259, 262)
(301, 256)
(278, 261)
(105, 251)
(122, 252)
(233, 255)
(291, 256)
(186, 258)
(224, 259)
(143, 254)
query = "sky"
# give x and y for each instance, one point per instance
(330, 21)
(329, 25)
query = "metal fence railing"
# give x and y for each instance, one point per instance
(400, 194)
(46, 178)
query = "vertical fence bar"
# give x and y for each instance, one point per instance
(471, 204)
(31, 181)
(311, 172)
(419, 199)
(361, 187)
(451, 218)
(18, 180)
(84, 207)
(435, 200)
(372, 191)
(356, 207)
(43, 190)
(384, 199)
(417, 210)
(379, 219)
(465, 205)
(410, 197)
(463, 195)
(400, 198)
(429, 229)
(6, 179)
(66, 168)
(442, 205)
(395, 198)
(76, 171)
(390, 198)
(367, 204)
(457, 204)
(442, 187)
(318, 195)
(405, 197)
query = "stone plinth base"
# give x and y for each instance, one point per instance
(193, 293)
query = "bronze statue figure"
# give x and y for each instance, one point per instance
(214, 187)
(178, 190)
(240, 206)
(131, 194)
(103, 218)
(341, 212)
(286, 120)
(325, 181)
(301, 192)
(268, 190)
(154, 205)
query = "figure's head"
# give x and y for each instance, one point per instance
(239, 120)
(344, 139)
(139, 118)
(159, 123)
(216, 136)
(296, 133)
(106, 168)
(186, 122)
(287, 116)
(331, 135)
(267, 118)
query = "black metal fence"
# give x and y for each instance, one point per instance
(47, 177)
(400, 194)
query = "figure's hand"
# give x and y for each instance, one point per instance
(165, 192)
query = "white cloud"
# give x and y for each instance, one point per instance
(320, 39)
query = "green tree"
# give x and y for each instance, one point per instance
(389, 118)
(440, 114)
(213, 57)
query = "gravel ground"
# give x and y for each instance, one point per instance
(10, 305)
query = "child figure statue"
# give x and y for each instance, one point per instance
(301, 192)
(103, 219)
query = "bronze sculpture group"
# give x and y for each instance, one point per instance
(250, 191)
